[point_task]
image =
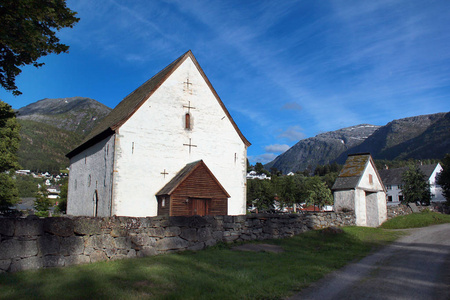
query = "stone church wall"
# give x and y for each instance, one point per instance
(33, 243)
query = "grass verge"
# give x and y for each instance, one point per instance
(215, 273)
(416, 220)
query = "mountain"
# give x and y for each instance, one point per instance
(321, 149)
(419, 137)
(53, 127)
(76, 114)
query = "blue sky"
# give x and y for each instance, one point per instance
(286, 70)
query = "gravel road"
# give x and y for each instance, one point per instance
(416, 266)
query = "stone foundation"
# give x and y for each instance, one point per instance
(33, 243)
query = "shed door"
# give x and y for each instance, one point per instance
(198, 206)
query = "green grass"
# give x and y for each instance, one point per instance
(416, 220)
(214, 273)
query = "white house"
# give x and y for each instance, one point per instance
(169, 147)
(359, 188)
(392, 179)
(254, 175)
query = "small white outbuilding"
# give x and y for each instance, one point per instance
(359, 188)
(169, 148)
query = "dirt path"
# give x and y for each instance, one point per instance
(416, 266)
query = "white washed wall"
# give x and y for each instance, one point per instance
(91, 171)
(376, 185)
(151, 142)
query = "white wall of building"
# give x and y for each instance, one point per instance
(90, 177)
(151, 142)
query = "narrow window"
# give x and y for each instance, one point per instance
(89, 180)
(370, 179)
(132, 148)
(187, 121)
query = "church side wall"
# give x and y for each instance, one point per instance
(35, 243)
(90, 180)
(154, 144)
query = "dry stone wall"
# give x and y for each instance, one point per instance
(33, 243)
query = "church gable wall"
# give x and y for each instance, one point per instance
(154, 144)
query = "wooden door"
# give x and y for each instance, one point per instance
(198, 206)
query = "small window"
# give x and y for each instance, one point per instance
(370, 179)
(89, 180)
(187, 121)
(390, 198)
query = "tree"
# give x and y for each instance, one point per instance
(9, 144)
(443, 178)
(62, 203)
(27, 32)
(42, 202)
(316, 192)
(260, 193)
(416, 187)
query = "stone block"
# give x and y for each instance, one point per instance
(197, 246)
(59, 226)
(72, 245)
(4, 264)
(28, 263)
(118, 257)
(204, 234)
(98, 255)
(156, 232)
(148, 251)
(230, 238)
(118, 232)
(122, 243)
(131, 253)
(7, 226)
(189, 234)
(139, 241)
(48, 244)
(76, 260)
(217, 235)
(87, 226)
(51, 261)
(15, 249)
(171, 243)
(28, 227)
(172, 231)
(210, 242)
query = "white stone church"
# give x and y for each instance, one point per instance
(169, 148)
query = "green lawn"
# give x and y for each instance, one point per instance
(215, 273)
(415, 220)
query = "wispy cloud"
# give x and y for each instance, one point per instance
(293, 133)
(276, 148)
(291, 106)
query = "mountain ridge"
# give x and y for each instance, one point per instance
(417, 137)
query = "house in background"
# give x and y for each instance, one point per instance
(392, 179)
(359, 188)
(169, 148)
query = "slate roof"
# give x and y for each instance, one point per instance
(352, 171)
(394, 176)
(131, 103)
(184, 174)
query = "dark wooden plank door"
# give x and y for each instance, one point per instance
(198, 206)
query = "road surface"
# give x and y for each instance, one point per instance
(416, 266)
